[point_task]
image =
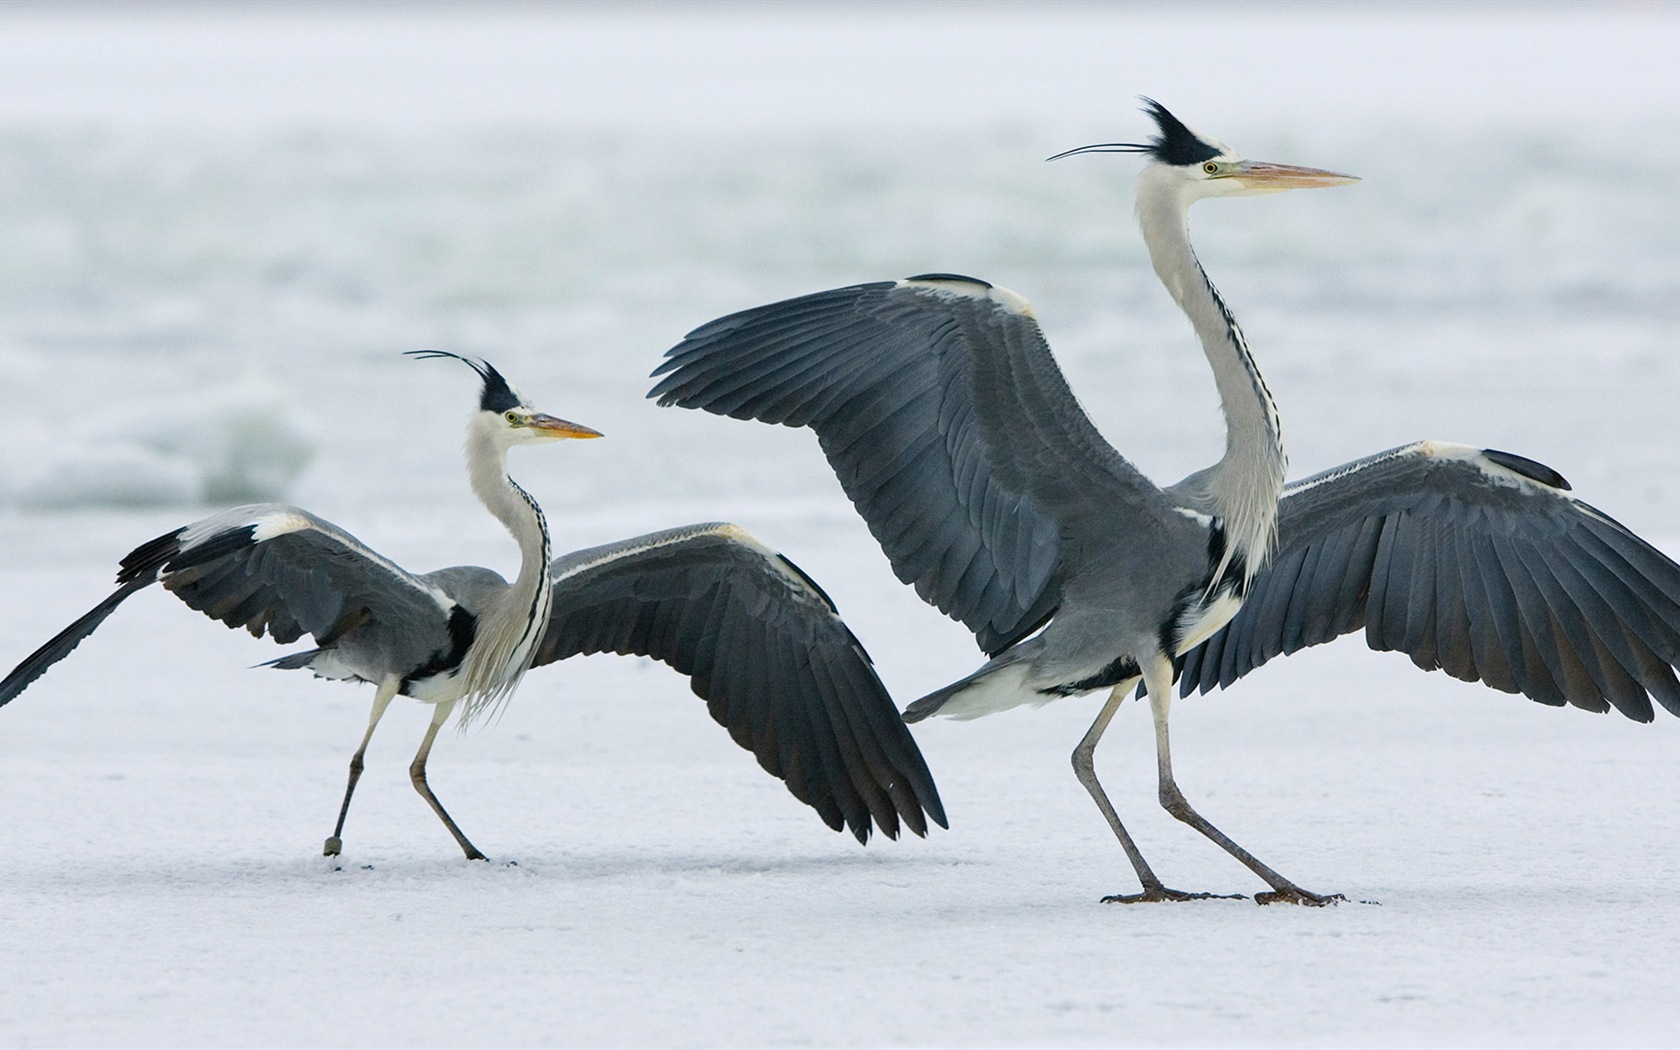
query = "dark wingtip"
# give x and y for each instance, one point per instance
(1528, 468)
(146, 559)
(955, 277)
(61, 644)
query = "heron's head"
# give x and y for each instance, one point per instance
(1191, 166)
(503, 413)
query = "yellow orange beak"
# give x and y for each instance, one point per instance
(555, 427)
(1264, 175)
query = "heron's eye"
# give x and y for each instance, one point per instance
(1211, 168)
(511, 416)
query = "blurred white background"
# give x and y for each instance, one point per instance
(220, 224)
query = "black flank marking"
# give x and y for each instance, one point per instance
(950, 277)
(1172, 631)
(463, 628)
(1122, 668)
(1528, 468)
(1235, 576)
(1216, 544)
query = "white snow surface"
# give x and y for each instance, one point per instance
(226, 221)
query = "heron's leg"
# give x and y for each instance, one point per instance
(1158, 680)
(381, 700)
(417, 773)
(1084, 766)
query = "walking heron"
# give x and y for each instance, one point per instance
(761, 642)
(952, 430)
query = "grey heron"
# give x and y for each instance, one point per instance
(954, 433)
(761, 642)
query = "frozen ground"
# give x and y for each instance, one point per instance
(217, 231)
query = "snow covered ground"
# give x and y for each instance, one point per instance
(220, 226)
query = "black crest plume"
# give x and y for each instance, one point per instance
(1175, 143)
(498, 396)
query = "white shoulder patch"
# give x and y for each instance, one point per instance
(775, 559)
(1494, 471)
(1016, 304)
(971, 288)
(266, 519)
(729, 531)
(270, 520)
(279, 524)
(1469, 455)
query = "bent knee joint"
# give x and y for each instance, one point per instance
(1173, 801)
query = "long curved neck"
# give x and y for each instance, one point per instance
(1244, 486)
(509, 630)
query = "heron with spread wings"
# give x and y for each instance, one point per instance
(954, 433)
(759, 640)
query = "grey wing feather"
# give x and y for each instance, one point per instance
(284, 572)
(60, 645)
(1471, 561)
(280, 571)
(766, 650)
(951, 428)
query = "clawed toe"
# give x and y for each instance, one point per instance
(1296, 895)
(1161, 893)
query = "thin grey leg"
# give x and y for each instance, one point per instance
(417, 774)
(1159, 682)
(381, 700)
(1084, 766)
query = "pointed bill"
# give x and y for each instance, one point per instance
(1262, 174)
(553, 426)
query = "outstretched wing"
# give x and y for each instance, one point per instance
(766, 650)
(281, 571)
(1472, 561)
(949, 425)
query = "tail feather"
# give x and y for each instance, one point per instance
(36, 664)
(293, 661)
(997, 686)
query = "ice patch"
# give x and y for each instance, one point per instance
(125, 475)
(240, 444)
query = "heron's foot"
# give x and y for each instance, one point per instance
(473, 853)
(1296, 895)
(1156, 894)
(333, 847)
